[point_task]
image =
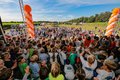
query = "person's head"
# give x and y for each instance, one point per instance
(30, 46)
(43, 63)
(80, 74)
(39, 45)
(88, 38)
(112, 39)
(35, 52)
(91, 59)
(55, 69)
(34, 58)
(42, 50)
(110, 65)
(6, 74)
(73, 50)
(21, 59)
(1, 64)
(96, 38)
(54, 50)
(117, 37)
(101, 57)
(16, 49)
(7, 55)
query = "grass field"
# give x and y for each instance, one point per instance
(91, 26)
(11, 23)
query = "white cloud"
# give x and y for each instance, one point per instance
(59, 17)
(88, 2)
(10, 1)
(6, 1)
(10, 15)
(45, 11)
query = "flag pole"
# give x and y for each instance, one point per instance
(21, 4)
(2, 31)
(21, 8)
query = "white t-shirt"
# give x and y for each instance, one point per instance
(102, 75)
(51, 57)
(88, 69)
(69, 72)
(62, 56)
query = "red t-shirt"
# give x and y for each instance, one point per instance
(112, 44)
(69, 48)
(87, 43)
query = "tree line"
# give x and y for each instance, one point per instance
(102, 17)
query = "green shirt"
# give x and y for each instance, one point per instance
(31, 52)
(59, 77)
(22, 68)
(72, 58)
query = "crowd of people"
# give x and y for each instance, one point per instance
(60, 54)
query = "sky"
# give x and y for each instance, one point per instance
(56, 10)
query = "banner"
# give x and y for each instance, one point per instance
(29, 21)
(112, 22)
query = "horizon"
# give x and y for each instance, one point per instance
(57, 10)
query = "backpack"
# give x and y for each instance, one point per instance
(44, 71)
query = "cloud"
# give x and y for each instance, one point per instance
(47, 17)
(45, 11)
(10, 15)
(10, 1)
(6, 1)
(87, 2)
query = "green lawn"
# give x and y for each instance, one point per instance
(91, 26)
(11, 23)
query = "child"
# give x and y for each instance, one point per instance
(72, 57)
(44, 71)
(80, 74)
(106, 72)
(89, 65)
(22, 64)
(34, 67)
(55, 72)
(43, 56)
(69, 71)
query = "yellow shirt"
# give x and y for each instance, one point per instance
(59, 77)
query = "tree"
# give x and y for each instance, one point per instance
(102, 17)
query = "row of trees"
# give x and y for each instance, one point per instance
(102, 17)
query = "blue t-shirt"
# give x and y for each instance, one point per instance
(35, 69)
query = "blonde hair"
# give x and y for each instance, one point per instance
(111, 65)
(55, 69)
(91, 59)
(35, 57)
